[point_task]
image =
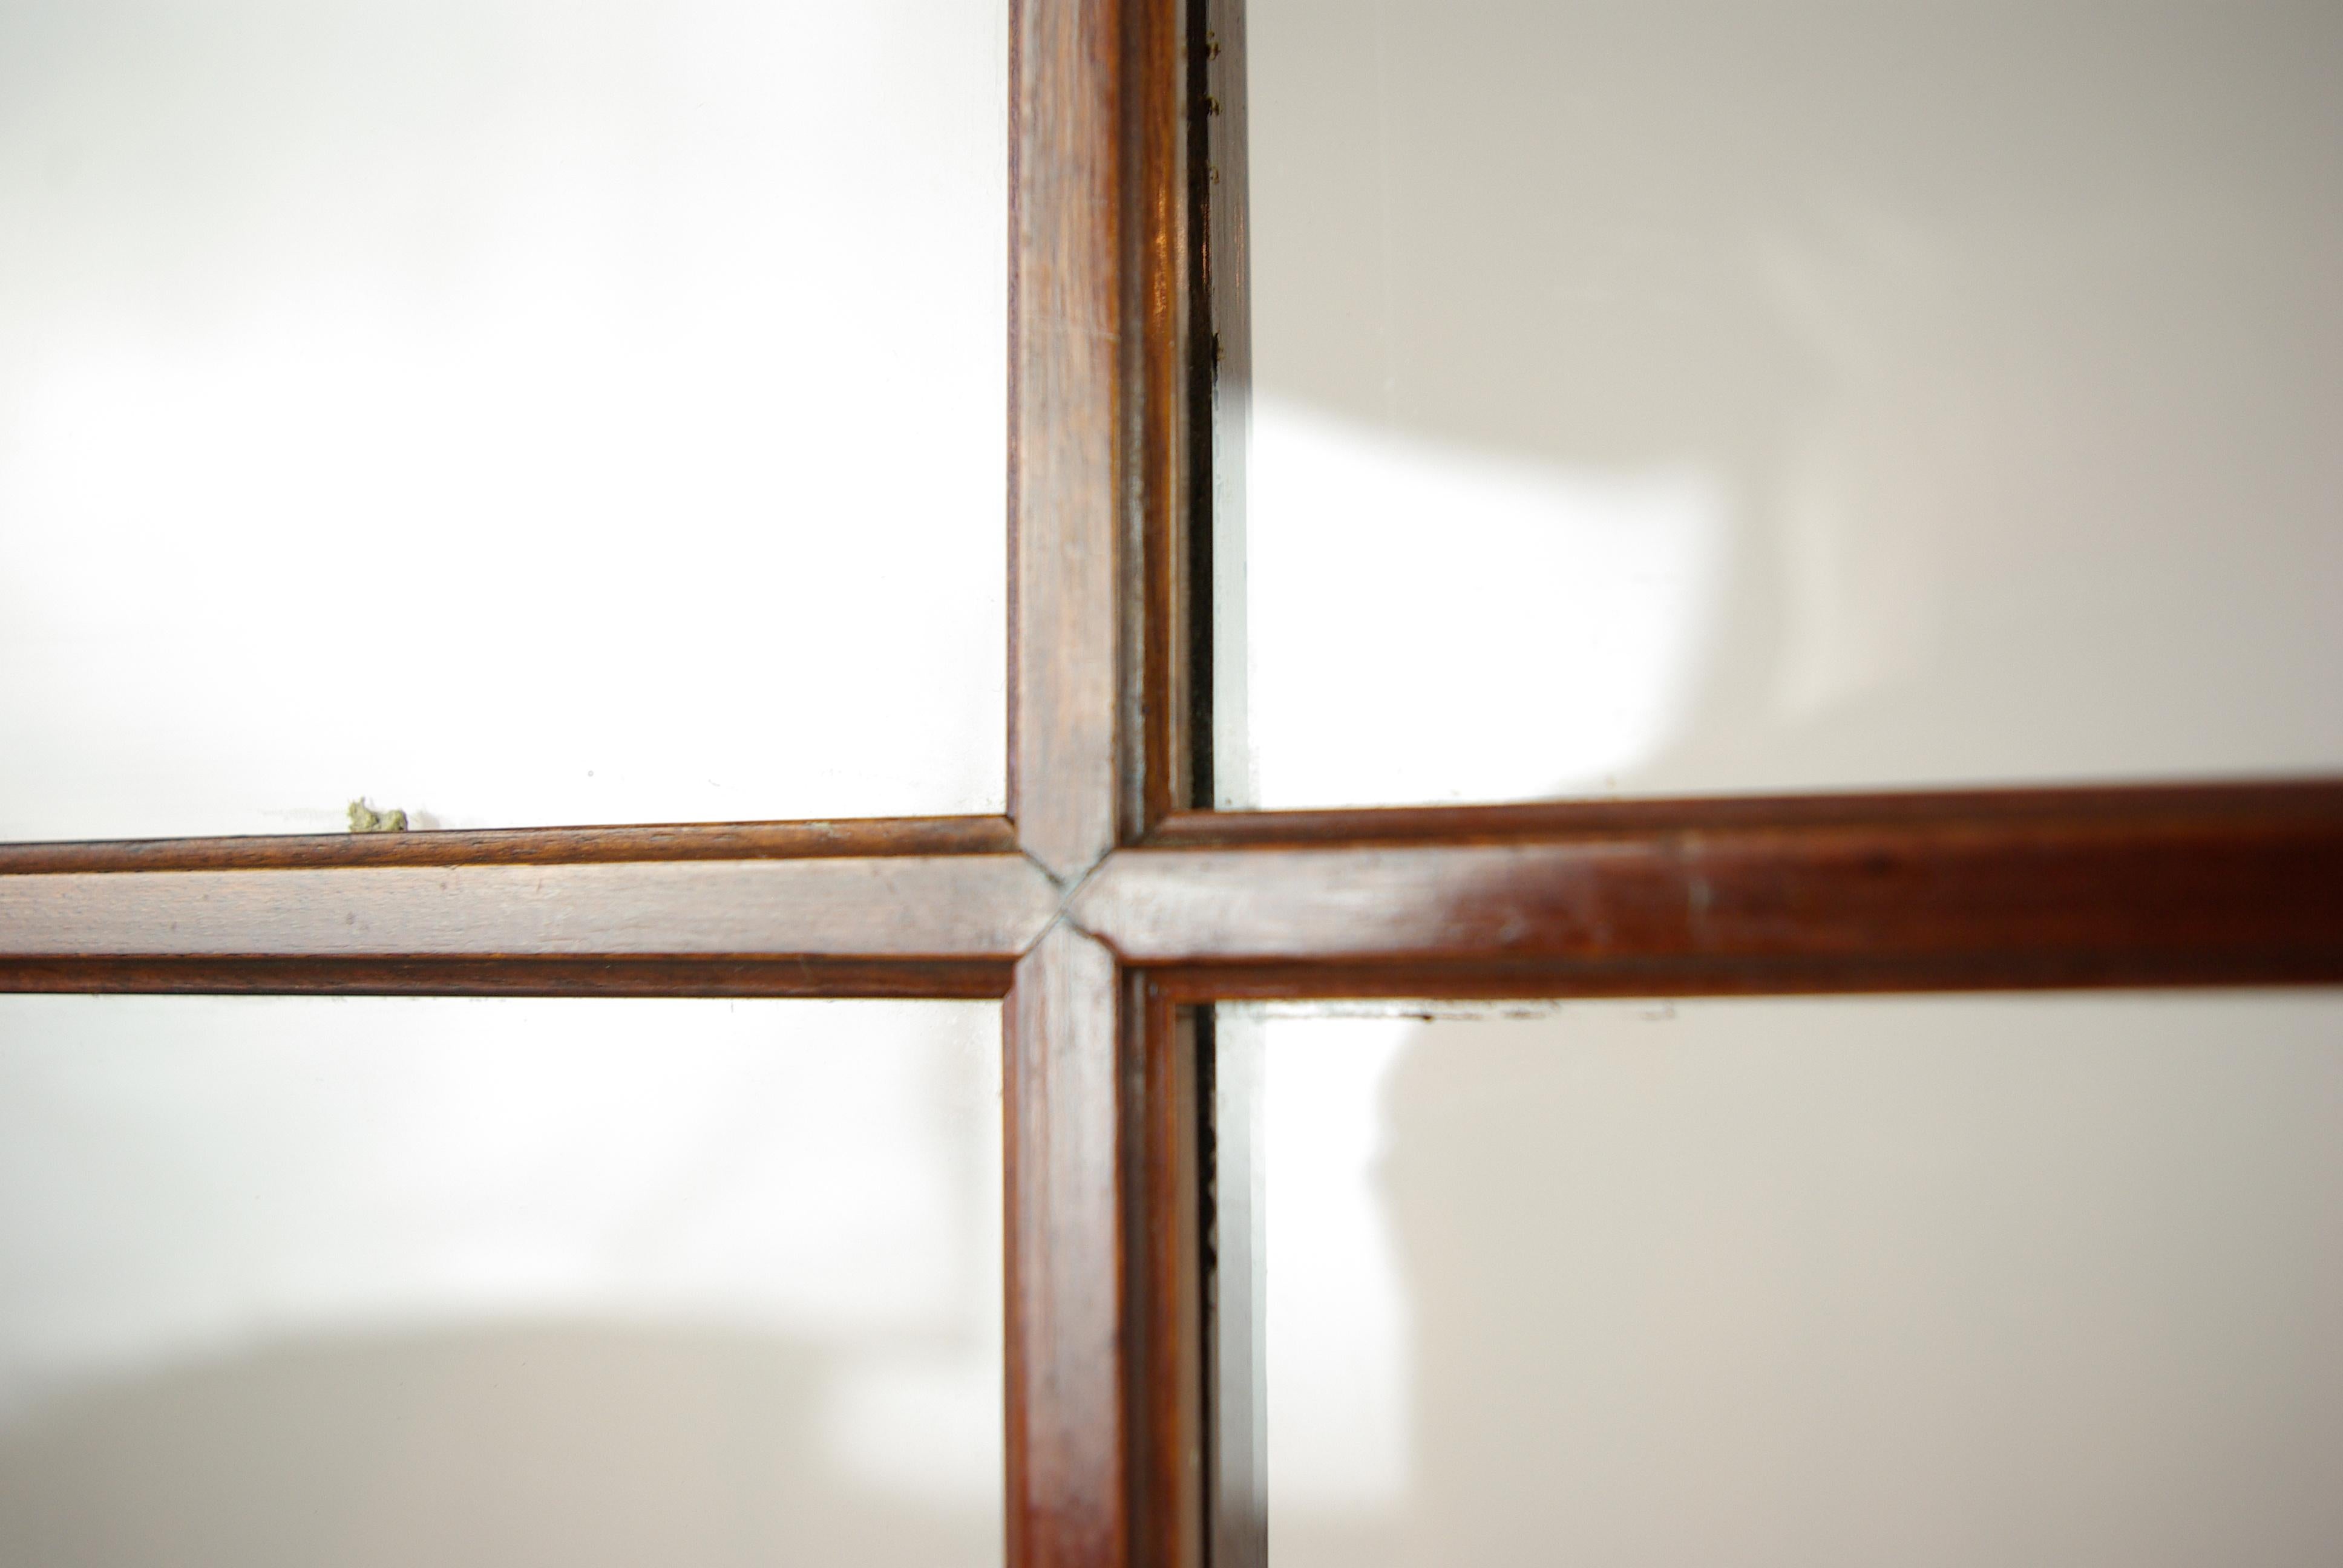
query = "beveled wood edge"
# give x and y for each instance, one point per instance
(1162, 1180)
(2201, 884)
(990, 908)
(1517, 822)
(840, 837)
(2192, 885)
(1163, 309)
(1102, 436)
(1188, 985)
(1068, 1492)
(641, 975)
(1540, 981)
(1104, 1268)
(1067, 403)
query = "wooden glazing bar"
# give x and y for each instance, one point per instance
(2040, 888)
(1105, 1305)
(2302, 800)
(1105, 1380)
(1164, 1291)
(1100, 378)
(844, 838)
(1160, 421)
(972, 907)
(1067, 324)
(1070, 1478)
(650, 974)
(1541, 979)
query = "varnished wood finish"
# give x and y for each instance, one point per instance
(1099, 310)
(1537, 979)
(2026, 889)
(844, 838)
(650, 974)
(1128, 322)
(1159, 423)
(1105, 1380)
(1067, 327)
(1069, 1473)
(982, 907)
(1922, 811)
(1106, 1390)
(1164, 1291)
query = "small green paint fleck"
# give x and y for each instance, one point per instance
(364, 818)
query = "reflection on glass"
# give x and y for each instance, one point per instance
(1695, 394)
(1827, 1283)
(288, 1281)
(499, 410)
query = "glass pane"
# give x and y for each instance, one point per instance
(1698, 394)
(1831, 1283)
(507, 412)
(292, 1281)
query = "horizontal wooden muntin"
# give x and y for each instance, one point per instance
(983, 907)
(2148, 885)
(841, 837)
(2107, 804)
(2234, 884)
(642, 975)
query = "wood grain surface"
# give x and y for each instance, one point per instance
(2115, 886)
(843, 838)
(1160, 418)
(1163, 1181)
(961, 907)
(1067, 461)
(1105, 1387)
(1069, 1471)
(647, 974)
(1923, 810)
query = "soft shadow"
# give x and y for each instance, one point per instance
(1975, 317)
(579, 1445)
(1858, 1281)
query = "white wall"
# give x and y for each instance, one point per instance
(511, 411)
(1822, 1283)
(287, 1282)
(1658, 396)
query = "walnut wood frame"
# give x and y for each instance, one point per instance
(1104, 905)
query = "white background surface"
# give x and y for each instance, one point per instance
(513, 413)
(1822, 1283)
(290, 1281)
(1703, 395)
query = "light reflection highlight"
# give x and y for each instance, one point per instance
(1582, 598)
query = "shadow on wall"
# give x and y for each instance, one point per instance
(1920, 392)
(585, 1446)
(292, 1280)
(1817, 1282)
